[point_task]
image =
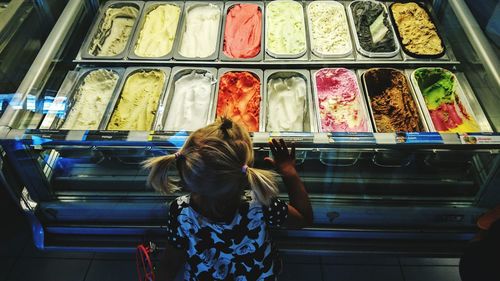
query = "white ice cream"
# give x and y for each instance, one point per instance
(285, 28)
(92, 98)
(201, 31)
(190, 103)
(286, 104)
(329, 30)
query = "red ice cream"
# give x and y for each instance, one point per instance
(242, 33)
(239, 99)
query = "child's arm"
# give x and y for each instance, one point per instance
(299, 210)
(171, 263)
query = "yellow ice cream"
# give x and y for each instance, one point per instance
(112, 36)
(418, 34)
(468, 126)
(285, 30)
(158, 31)
(138, 101)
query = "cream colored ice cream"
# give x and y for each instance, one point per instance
(136, 108)
(91, 100)
(285, 28)
(201, 31)
(329, 31)
(157, 35)
(190, 103)
(112, 36)
(286, 104)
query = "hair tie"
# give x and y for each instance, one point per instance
(244, 169)
(226, 124)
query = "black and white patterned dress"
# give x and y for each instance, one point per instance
(240, 250)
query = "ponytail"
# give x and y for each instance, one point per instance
(158, 175)
(263, 184)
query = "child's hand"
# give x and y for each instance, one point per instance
(283, 160)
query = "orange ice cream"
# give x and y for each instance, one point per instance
(239, 99)
(242, 33)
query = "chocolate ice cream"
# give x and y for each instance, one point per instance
(392, 103)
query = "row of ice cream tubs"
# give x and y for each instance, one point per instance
(380, 100)
(258, 31)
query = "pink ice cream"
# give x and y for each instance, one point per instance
(341, 108)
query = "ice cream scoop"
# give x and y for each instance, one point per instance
(340, 102)
(158, 32)
(239, 98)
(243, 31)
(114, 31)
(286, 104)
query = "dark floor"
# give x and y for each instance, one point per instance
(20, 261)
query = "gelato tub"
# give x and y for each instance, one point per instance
(136, 106)
(112, 32)
(445, 104)
(392, 102)
(416, 31)
(285, 29)
(157, 31)
(288, 102)
(328, 29)
(83, 104)
(243, 32)
(374, 33)
(200, 31)
(189, 99)
(240, 97)
(340, 105)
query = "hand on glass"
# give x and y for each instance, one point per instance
(283, 159)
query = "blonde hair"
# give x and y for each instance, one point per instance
(213, 163)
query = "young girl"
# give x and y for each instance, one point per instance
(213, 231)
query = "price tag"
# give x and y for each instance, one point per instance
(480, 138)
(351, 137)
(292, 136)
(419, 138)
(46, 134)
(107, 135)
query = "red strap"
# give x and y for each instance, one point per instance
(144, 265)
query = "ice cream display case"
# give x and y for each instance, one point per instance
(396, 127)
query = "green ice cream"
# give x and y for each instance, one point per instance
(438, 87)
(447, 111)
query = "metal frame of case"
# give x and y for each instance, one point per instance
(384, 221)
